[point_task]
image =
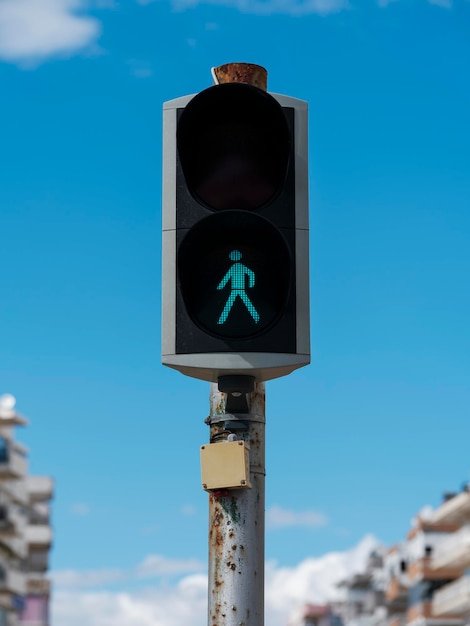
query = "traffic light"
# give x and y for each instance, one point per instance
(235, 234)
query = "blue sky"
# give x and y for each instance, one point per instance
(357, 442)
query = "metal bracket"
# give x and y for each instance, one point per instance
(237, 389)
(242, 418)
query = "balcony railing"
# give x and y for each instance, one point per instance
(15, 490)
(37, 585)
(13, 463)
(12, 521)
(40, 488)
(17, 545)
(38, 535)
(12, 582)
(454, 551)
(456, 510)
(453, 599)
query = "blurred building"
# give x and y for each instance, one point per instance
(25, 532)
(315, 615)
(422, 581)
(360, 601)
(452, 600)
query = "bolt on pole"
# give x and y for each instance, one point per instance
(236, 520)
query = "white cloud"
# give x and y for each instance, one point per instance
(312, 580)
(268, 7)
(76, 579)
(188, 510)
(277, 517)
(156, 565)
(80, 508)
(153, 566)
(183, 604)
(33, 30)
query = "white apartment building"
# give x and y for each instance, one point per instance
(453, 599)
(422, 581)
(25, 532)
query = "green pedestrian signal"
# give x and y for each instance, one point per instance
(236, 275)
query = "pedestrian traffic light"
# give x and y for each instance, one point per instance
(235, 233)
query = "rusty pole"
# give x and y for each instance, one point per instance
(236, 517)
(236, 521)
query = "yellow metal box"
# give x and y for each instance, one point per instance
(225, 465)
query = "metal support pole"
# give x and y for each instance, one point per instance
(236, 520)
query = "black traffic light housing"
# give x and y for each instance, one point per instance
(235, 234)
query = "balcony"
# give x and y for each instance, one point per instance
(8, 415)
(40, 536)
(424, 568)
(454, 511)
(12, 521)
(454, 551)
(38, 585)
(417, 611)
(453, 599)
(40, 488)
(422, 614)
(16, 545)
(396, 596)
(13, 463)
(12, 582)
(38, 560)
(15, 490)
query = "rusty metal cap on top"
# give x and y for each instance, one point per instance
(247, 73)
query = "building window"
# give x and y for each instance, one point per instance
(4, 456)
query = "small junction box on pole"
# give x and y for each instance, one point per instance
(225, 465)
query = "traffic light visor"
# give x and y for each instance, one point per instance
(233, 145)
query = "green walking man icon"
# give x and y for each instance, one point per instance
(236, 274)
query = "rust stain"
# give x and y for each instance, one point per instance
(216, 535)
(242, 73)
